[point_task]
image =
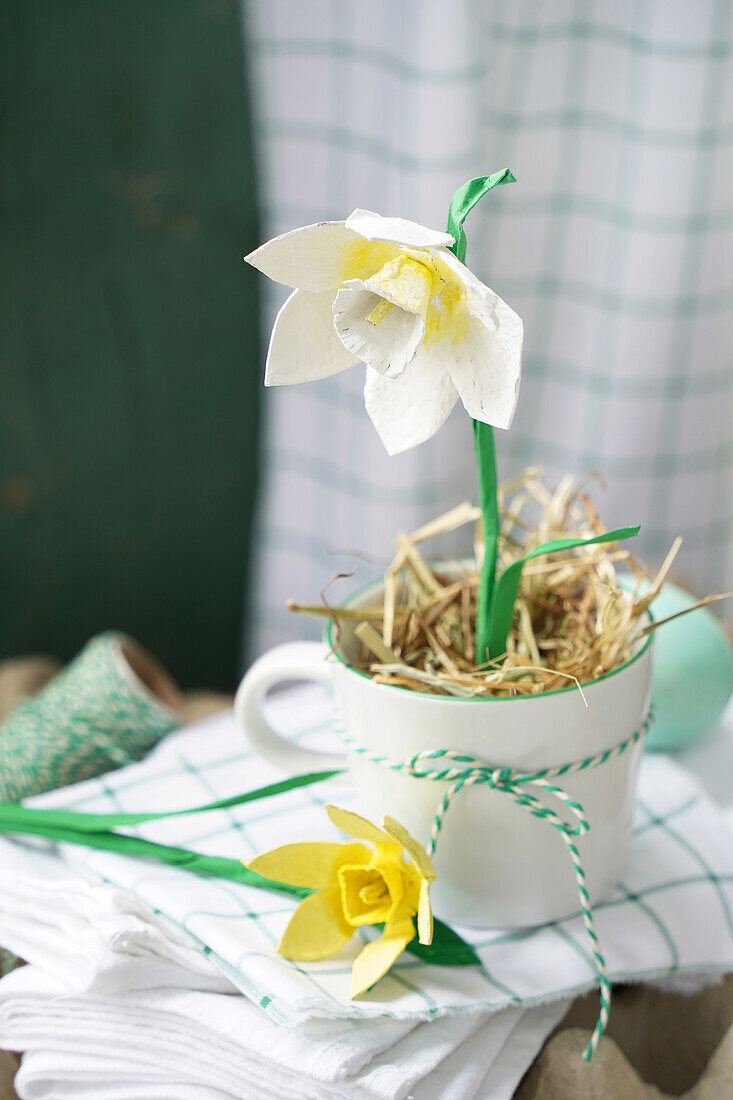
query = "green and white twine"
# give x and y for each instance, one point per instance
(93, 716)
(464, 771)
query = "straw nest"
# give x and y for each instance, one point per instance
(573, 619)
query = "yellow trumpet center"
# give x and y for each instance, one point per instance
(373, 893)
(403, 282)
(415, 280)
(379, 312)
(369, 895)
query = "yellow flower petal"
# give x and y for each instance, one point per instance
(417, 853)
(316, 929)
(377, 957)
(355, 825)
(309, 864)
(424, 914)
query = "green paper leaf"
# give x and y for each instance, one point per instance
(447, 948)
(464, 201)
(507, 586)
(11, 812)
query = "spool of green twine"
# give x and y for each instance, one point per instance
(107, 708)
(104, 710)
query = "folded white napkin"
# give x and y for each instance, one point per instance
(670, 915)
(92, 936)
(126, 1046)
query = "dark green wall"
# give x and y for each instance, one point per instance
(129, 365)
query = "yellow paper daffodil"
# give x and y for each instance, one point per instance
(354, 885)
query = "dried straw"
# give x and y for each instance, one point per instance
(573, 620)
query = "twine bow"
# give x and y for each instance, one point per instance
(515, 784)
(524, 788)
(473, 772)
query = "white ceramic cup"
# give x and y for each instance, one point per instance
(496, 864)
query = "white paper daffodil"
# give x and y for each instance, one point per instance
(390, 293)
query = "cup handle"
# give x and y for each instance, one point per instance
(292, 661)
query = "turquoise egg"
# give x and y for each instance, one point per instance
(692, 676)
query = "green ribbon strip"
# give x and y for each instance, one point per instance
(460, 207)
(97, 831)
(507, 586)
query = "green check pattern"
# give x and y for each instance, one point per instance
(615, 247)
(671, 915)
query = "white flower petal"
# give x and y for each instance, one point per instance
(486, 363)
(387, 346)
(410, 409)
(303, 345)
(486, 371)
(309, 258)
(376, 228)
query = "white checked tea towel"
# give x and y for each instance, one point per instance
(671, 915)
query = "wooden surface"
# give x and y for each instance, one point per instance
(8, 1069)
(658, 1046)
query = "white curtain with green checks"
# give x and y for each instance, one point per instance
(615, 246)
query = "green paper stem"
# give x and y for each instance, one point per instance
(214, 866)
(461, 205)
(483, 438)
(96, 831)
(507, 586)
